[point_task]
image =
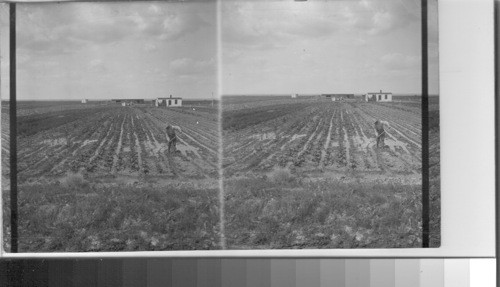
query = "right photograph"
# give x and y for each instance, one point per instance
(322, 124)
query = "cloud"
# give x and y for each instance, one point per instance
(98, 66)
(397, 61)
(53, 27)
(62, 28)
(95, 63)
(382, 21)
(174, 21)
(22, 58)
(375, 17)
(267, 25)
(188, 66)
(154, 9)
(174, 27)
(149, 47)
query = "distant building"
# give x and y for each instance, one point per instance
(169, 102)
(378, 97)
(84, 101)
(295, 96)
(339, 97)
(129, 101)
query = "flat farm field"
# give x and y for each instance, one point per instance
(111, 140)
(323, 136)
(115, 159)
(306, 173)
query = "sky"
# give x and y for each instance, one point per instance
(153, 49)
(113, 50)
(318, 46)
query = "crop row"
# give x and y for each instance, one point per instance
(335, 136)
(117, 141)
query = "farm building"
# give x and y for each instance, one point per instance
(339, 97)
(169, 102)
(130, 101)
(378, 97)
(295, 96)
(84, 101)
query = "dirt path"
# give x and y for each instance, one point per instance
(101, 144)
(118, 148)
(304, 148)
(137, 147)
(327, 143)
(407, 138)
(172, 165)
(347, 147)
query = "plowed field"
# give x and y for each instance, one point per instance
(306, 173)
(113, 140)
(321, 137)
(98, 177)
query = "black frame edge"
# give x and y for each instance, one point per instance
(13, 131)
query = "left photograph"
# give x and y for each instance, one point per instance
(117, 126)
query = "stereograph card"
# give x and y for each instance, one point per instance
(220, 126)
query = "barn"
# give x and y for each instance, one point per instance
(378, 97)
(169, 102)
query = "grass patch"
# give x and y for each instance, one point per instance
(78, 216)
(282, 176)
(265, 213)
(435, 186)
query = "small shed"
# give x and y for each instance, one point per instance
(169, 102)
(378, 97)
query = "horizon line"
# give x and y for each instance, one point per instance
(305, 94)
(106, 100)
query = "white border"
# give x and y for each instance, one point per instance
(467, 149)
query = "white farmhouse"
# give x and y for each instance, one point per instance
(378, 97)
(84, 101)
(294, 96)
(169, 102)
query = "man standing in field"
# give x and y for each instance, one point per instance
(171, 136)
(380, 128)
